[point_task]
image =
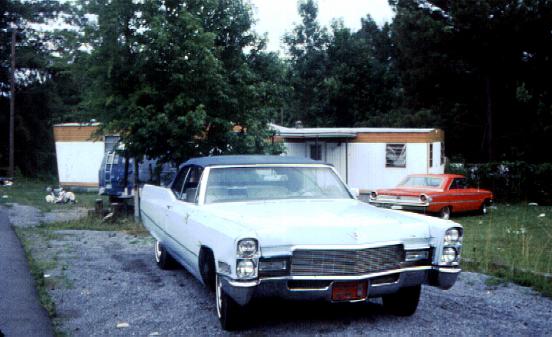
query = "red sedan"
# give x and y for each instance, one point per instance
(434, 193)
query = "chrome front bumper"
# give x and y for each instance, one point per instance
(244, 291)
(400, 205)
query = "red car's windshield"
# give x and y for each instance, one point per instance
(421, 181)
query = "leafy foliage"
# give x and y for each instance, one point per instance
(34, 92)
(475, 68)
(307, 46)
(173, 80)
(179, 79)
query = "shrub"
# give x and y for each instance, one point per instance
(510, 181)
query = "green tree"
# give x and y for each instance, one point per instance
(34, 93)
(474, 66)
(172, 78)
(361, 75)
(307, 45)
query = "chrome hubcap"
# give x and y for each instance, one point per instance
(445, 213)
(218, 296)
(157, 251)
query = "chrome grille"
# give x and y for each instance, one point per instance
(345, 262)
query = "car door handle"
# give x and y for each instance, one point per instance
(169, 206)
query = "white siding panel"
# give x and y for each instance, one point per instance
(437, 167)
(367, 169)
(366, 164)
(79, 161)
(417, 158)
(295, 149)
(335, 155)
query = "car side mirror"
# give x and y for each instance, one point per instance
(355, 191)
(191, 194)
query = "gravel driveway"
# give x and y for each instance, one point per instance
(102, 280)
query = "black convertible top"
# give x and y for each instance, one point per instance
(249, 160)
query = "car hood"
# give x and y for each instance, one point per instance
(322, 222)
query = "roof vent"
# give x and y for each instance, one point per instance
(298, 124)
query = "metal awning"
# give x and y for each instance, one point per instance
(317, 135)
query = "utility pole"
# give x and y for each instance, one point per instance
(12, 104)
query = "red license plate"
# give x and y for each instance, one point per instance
(349, 291)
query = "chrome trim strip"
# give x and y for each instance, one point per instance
(384, 284)
(449, 270)
(351, 301)
(348, 277)
(310, 289)
(269, 165)
(418, 248)
(455, 202)
(406, 203)
(399, 202)
(347, 247)
(244, 284)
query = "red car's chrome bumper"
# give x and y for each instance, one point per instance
(409, 205)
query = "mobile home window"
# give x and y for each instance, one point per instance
(395, 155)
(430, 155)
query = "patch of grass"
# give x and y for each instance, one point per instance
(37, 269)
(513, 242)
(124, 224)
(494, 281)
(32, 192)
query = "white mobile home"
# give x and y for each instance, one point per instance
(368, 158)
(79, 153)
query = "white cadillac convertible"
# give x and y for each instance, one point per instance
(257, 226)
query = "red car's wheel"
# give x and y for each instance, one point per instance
(445, 213)
(484, 209)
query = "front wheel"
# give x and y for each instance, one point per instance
(404, 302)
(445, 213)
(162, 257)
(228, 311)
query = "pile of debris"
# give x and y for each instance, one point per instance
(60, 196)
(6, 181)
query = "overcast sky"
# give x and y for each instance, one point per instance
(276, 17)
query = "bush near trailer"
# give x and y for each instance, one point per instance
(515, 181)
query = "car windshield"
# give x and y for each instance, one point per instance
(421, 181)
(231, 184)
